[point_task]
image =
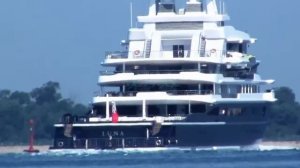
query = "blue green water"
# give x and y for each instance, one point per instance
(157, 159)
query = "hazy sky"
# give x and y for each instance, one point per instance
(65, 40)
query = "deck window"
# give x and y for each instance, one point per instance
(237, 47)
(178, 51)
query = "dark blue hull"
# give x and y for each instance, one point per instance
(195, 131)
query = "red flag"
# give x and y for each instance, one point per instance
(115, 115)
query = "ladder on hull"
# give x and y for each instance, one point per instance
(202, 46)
(148, 48)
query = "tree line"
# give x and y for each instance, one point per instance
(45, 105)
(284, 116)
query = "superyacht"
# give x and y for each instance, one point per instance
(184, 79)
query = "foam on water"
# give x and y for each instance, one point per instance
(214, 157)
(161, 149)
(273, 147)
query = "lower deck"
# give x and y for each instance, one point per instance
(173, 112)
(196, 130)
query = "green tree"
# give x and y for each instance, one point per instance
(285, 95)
(4, 94)
(43, 104)
(284, 116)
(22, 97)
(11, 121)
(48, 93)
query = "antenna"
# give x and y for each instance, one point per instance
(220, 7)
(224, 8)
(131, 14)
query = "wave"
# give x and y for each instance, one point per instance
(275, 147)
(162, 149)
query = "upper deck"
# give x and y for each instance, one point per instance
(184, 49)
(196, 33)
(171, 57)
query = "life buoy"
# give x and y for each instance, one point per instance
(60, 144)
(212, 53)
(137, 52)
(158, 142)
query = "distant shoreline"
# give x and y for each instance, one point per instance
(20, 149)
(45, 148)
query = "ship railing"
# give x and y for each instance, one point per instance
(116, 54)
(137, 54)
(117, 94)
(148, 71)
(190, 92)
(170, 92)
(112, 142)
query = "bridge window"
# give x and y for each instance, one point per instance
(237, 47)
(178, 51)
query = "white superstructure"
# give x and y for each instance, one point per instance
(187, 57)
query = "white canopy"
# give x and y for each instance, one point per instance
(229, 33)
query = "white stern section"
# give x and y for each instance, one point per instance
(183, 56)
(182, 77)
(165, 98)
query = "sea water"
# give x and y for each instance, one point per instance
(208, 158)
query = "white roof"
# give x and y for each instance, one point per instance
(171, 17)
(229, 33)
